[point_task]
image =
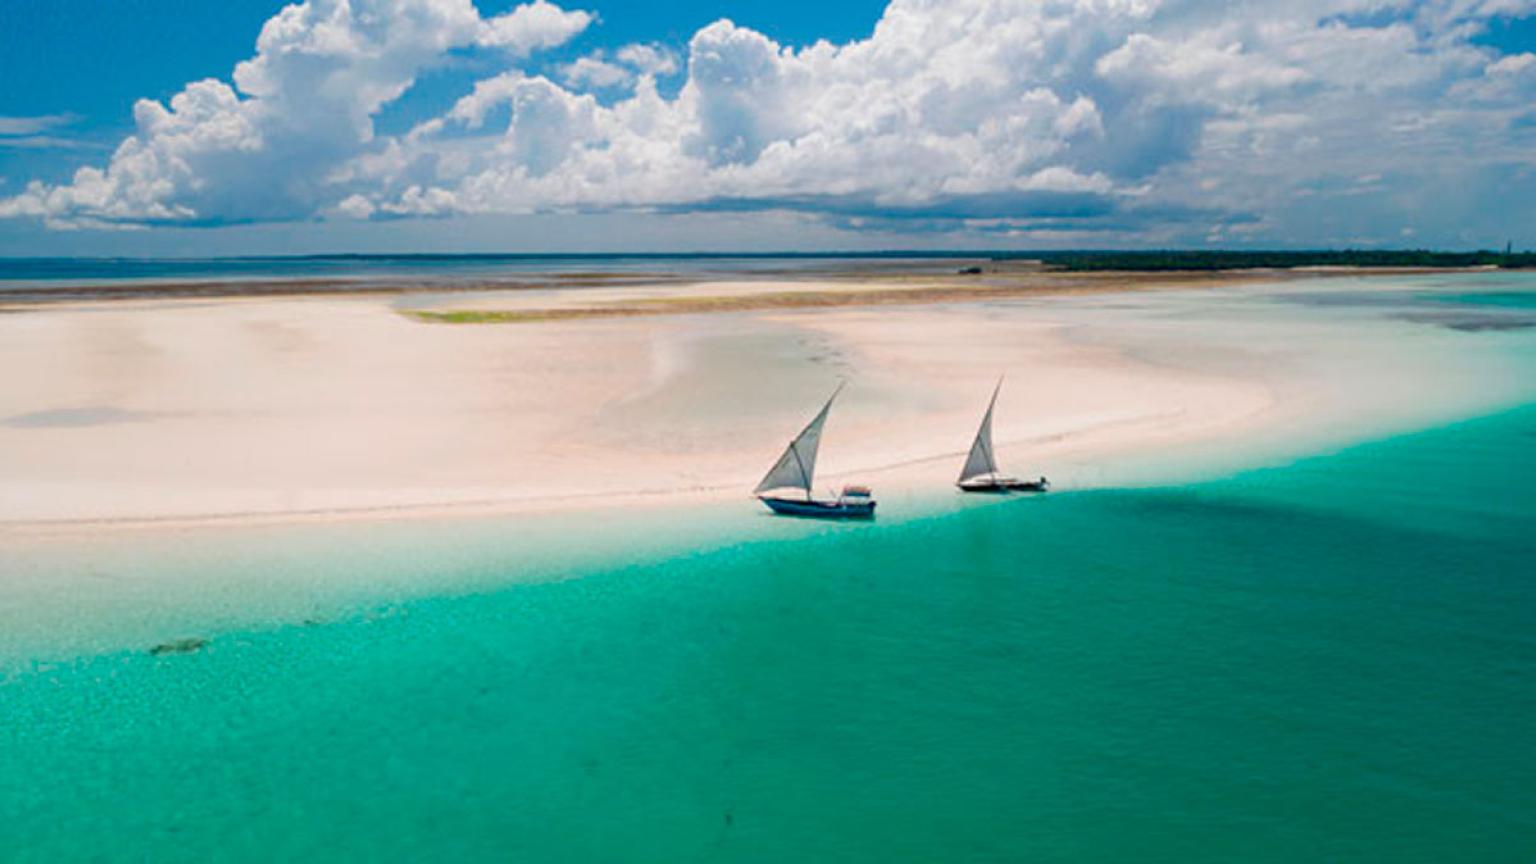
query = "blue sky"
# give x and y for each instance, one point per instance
(446, 125)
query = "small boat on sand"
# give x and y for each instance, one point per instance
(796, 469)
(980, 471)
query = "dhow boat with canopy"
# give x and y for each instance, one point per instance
(980, 471)
(796, 470)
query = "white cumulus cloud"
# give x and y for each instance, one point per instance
(593, 72)
(532, 27)
(1056, 116)
(652, 59)
(264, 148)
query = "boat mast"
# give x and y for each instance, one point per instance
(980, 460)
(992, 457)
(797, 467)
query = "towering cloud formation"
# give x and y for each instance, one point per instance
(1122, 116)
(299, 110)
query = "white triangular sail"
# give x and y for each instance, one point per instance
(981, 461)
(796, 469)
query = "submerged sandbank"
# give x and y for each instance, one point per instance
(176, 470)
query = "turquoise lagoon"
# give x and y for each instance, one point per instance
(1329, 659)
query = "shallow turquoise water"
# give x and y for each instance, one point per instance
(1334, 660)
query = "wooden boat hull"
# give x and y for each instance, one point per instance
(820, 509)
(1004, 485)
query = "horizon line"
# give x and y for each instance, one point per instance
(935, 253)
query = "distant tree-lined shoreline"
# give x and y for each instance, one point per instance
(1190, 259)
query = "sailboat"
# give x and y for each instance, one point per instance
(980, 471)
(796, 469)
